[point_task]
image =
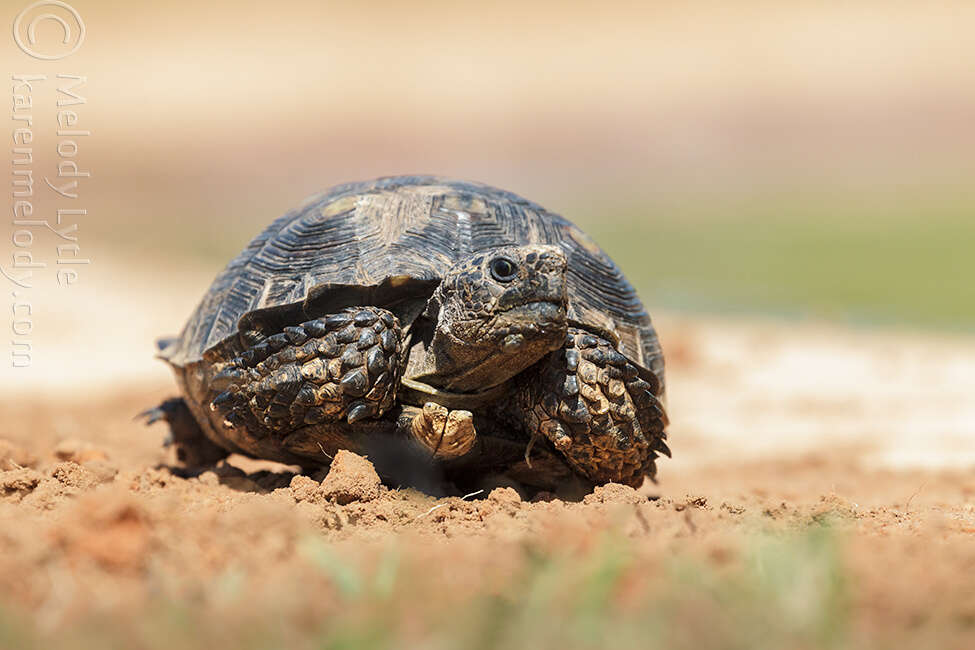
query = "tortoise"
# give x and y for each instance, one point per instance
(423, 321)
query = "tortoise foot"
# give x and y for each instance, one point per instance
(447, 434)
(597, 408)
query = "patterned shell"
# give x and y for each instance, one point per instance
(405, 232)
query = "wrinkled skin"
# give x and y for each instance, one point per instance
(506, 384)
(496, 315)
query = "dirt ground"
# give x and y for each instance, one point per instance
(822, 494)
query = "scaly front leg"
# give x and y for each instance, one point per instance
(335, 369)
(599, 409)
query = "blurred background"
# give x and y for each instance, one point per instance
(788, 184)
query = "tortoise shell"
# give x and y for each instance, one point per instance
(392, 239)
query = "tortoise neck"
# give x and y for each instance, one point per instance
(445, 363)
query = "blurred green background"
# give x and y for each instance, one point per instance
(864, 259)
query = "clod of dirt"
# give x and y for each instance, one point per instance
(14, 457)
(78, 451)
(504, 495)
(691, 501)
(18, 483)
(731, 508)
(351, 478)
(304, 488)
(614, 493)
(501, 500)
(834, 507)
(74, 475)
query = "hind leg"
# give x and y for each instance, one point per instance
(597, 408)
(193, 448)
(340, 369)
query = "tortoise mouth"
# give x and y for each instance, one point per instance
(536, 311)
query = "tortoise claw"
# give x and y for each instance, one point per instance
(360, 411)
(459, 435)
(222, 398)
(151, 415)
(661, 446)
(447, 434)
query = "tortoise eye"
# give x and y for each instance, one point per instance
(503, 269)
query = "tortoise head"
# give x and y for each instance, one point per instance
(497, 313)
